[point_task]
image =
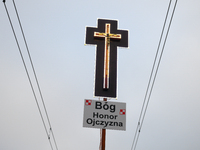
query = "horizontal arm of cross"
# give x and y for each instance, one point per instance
(103, 35)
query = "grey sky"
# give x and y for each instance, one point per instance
(55, 32)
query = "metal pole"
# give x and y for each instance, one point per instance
(103, 135)
(103, 139)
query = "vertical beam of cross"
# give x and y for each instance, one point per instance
(107, 35)
(106, 58)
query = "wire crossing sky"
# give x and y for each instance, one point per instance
(53, 33)
(33, 90)
(148, 92)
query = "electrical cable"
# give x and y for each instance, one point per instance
(151, 75)
(28, 75)
(143, 112)
(29, 55)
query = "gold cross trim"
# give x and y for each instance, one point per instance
(107, 35)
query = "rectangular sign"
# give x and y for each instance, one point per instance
(104, 115)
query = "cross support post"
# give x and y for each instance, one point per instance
(103, 135)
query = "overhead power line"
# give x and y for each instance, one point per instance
(150, 82)
(35, 76)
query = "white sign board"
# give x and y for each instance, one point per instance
(104, 115)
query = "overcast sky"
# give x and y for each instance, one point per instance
(55, 33)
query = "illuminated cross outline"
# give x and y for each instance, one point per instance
(107, 35)
(107, 38)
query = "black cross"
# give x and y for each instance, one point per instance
(107, 38)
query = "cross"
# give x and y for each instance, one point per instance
(107, 38)
(107, 35)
